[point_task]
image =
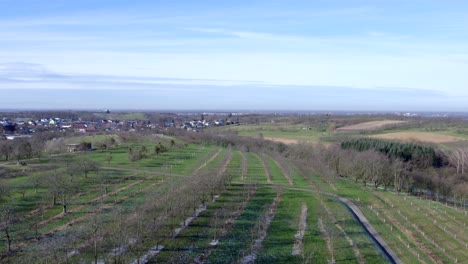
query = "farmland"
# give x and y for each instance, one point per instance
(420, 136)
(210, 199)
(371, 125)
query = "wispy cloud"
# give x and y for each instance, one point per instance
(246, 46)
(21, 75)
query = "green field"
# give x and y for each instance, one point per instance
(214, 204)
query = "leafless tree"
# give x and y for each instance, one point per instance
(7, 215)
(5, 189)
(86, 165)
(6, 149)
(459, 158)
(399, 170)
(22, 149)
(61, 188)
(108, 158)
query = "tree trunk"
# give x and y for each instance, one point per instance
(8, 239)
(95, 251)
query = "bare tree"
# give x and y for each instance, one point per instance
(86, 166)
(6, 222)
(22, 149)
(108, 158)
(4, 189)
(96, 234)
(36, 181)
(105, 180)
(459, 159)
(61, 188)
(6, 149)
(399, 170)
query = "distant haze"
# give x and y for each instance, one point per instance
(259, 55)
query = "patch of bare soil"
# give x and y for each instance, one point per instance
(43, 208)
(244, 166)
(88, 203)
(283, 140)
(264, 225)
(265, 167)
(419, 136)
(327, 236)
(228, 224)
(370, 125)
(207, 162)
(298, 248)
(283, 171)
(97, 210)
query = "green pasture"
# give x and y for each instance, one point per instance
(411, 226)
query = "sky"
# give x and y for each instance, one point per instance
(395, 55)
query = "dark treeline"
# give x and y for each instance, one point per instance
(425, 171)
(420, 155)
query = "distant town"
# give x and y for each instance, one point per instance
(13, 127)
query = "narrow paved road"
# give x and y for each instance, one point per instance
(372, 232)
(380, 242)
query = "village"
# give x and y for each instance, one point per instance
(16, 127)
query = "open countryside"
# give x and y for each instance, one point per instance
(371, 125)
(233, 132)
(420, 136)
(166, 194)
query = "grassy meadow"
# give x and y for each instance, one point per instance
(266, 211)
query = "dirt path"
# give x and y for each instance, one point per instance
(245, 168)
(226, 164)
(283, 171)
(228, 224)
(298, 248)
(155, 250)
(76, 209)
(207, 162)
(328, 240)
(43, 208)
(257, 245)
(97, 210)
(143, 171)
(265, 168)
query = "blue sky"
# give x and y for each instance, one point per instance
(259, 55)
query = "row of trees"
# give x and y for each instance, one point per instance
(20, 148)
(122, 235)
(135, 154)
(415, 168)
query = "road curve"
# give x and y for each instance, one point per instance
(359, 216)
(388, 252)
